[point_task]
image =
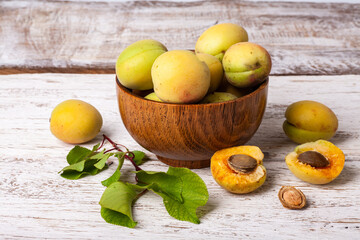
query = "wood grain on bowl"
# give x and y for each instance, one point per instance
(187, 135)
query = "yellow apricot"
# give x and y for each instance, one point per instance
(75, 121)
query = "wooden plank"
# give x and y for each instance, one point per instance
(37, 203)
(303, 38)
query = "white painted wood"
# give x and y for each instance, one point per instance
(61, 36)
(37, 203)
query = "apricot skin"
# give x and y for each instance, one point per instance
(232, 181)
(216, 70)
(180, 77)
(152, 96)
(246, 64)
(313, 175)
(218, 38)
(75, 121)
(217, 97)
(133, 66)
(308, 121)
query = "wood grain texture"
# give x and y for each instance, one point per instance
(187, 133)
(86, 37)
(37, 203)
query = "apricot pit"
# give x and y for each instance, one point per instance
(291, 197)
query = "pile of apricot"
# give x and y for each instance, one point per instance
(223, 67)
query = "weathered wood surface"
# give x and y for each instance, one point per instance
(37, 203)
(86, 37)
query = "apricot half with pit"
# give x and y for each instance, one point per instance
(317, 162)
(308, 121)
(239, 169)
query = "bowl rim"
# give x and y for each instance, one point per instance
(259, 88)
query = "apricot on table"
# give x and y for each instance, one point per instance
(308, 121)
(317, 162)
(75, 121)
(246, 64)
(216, 97)
(216, 70)
(180, 77)
(239, 169)
(133, 66)
(218, 38)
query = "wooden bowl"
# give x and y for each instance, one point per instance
(187, 135)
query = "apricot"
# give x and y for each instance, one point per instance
(246, 64)
(216, 97)
(180, 77)
(308, 121)
(75, 121)
(218, 38)
(317, 162)
(225, 86)
(216, 70)
(133, 66)
(239, 169)
(152, 96)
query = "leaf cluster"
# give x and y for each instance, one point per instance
(182, 190)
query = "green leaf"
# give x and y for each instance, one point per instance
(102, 158)
(138, 157)
(77, 154)
(162, 184)
(116, 175)
(116, 203)
(89, 165)
(194, 193)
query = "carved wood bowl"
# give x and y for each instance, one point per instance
(187, 135)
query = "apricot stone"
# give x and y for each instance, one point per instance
(216, 70)
(304, 162)
(75, 121)
(133, 66)
(308, 121)
(238, 178)
(246, 64)
(218, 38)
(180, 77)
(218, 97)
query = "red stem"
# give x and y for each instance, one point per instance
(130, 158)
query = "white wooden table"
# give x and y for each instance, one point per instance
(321, 65)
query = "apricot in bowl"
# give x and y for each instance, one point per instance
(239, 169)
(317, 162)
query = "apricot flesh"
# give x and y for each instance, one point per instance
(75, 121)
(133, 66)
(316, 175)
(233, 181)
(246, 64)
(218, 38)
(216, 70)
(308, 121)
(180, 77)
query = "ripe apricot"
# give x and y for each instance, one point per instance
(218, 38)
(308, 121)
(75, 121)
